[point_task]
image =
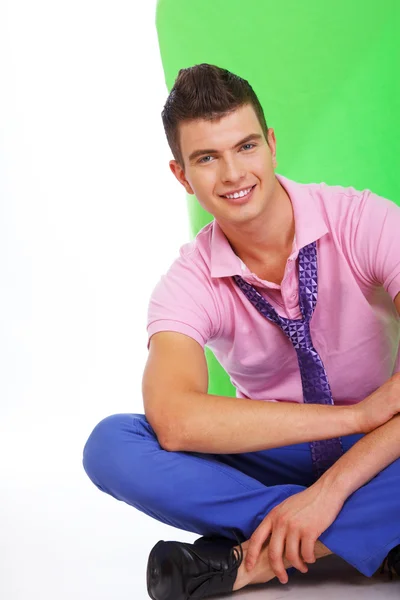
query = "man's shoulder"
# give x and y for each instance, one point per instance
(198, 250)
(193, 261)
(333, 190)
(353, 202)
(328, 196)
(336, 200)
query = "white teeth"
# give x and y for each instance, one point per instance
(238, 194)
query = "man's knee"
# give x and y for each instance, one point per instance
(100, 448)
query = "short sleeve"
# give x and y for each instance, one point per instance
(183, 301)
(374, 238)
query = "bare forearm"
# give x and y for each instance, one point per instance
(368, 457)
(221, 425)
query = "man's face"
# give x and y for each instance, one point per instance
(224, 156)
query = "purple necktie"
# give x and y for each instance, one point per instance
(316, 389)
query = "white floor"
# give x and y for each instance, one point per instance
(62, 538)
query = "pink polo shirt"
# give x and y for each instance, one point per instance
(355, 327)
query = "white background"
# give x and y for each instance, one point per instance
(90, 218)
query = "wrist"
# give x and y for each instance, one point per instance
(356, 418)
(335, 484)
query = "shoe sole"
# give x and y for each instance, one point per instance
(163, 577)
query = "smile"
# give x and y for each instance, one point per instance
(240, 197)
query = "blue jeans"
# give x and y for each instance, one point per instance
(211, 494)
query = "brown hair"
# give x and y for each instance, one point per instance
(205, 92)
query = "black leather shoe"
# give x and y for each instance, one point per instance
(182, 571)
(393, 562)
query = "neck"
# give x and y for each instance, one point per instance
(271, 235)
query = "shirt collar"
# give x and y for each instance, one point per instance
(309, 227)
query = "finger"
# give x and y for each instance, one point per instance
(275, 552)
(255, 543)
(292, 552)
(308, 549)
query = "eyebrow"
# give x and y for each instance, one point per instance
(197, 153)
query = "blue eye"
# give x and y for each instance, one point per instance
(204, 161)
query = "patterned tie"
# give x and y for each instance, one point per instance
(316, 389)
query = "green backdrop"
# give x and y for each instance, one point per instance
(326, 74)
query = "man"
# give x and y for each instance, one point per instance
(296, 289)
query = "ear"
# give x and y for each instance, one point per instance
(180, 175)
(272, 146)
(397, 303)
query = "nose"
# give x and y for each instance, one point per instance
(231, 171)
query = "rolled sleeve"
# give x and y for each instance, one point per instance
(178, 326)
(376, 241)
(183, 301)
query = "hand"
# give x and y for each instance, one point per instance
(294, 526)
(380, 406)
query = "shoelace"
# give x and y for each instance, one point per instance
(236, 556)
(392, 561)
(235, 560)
